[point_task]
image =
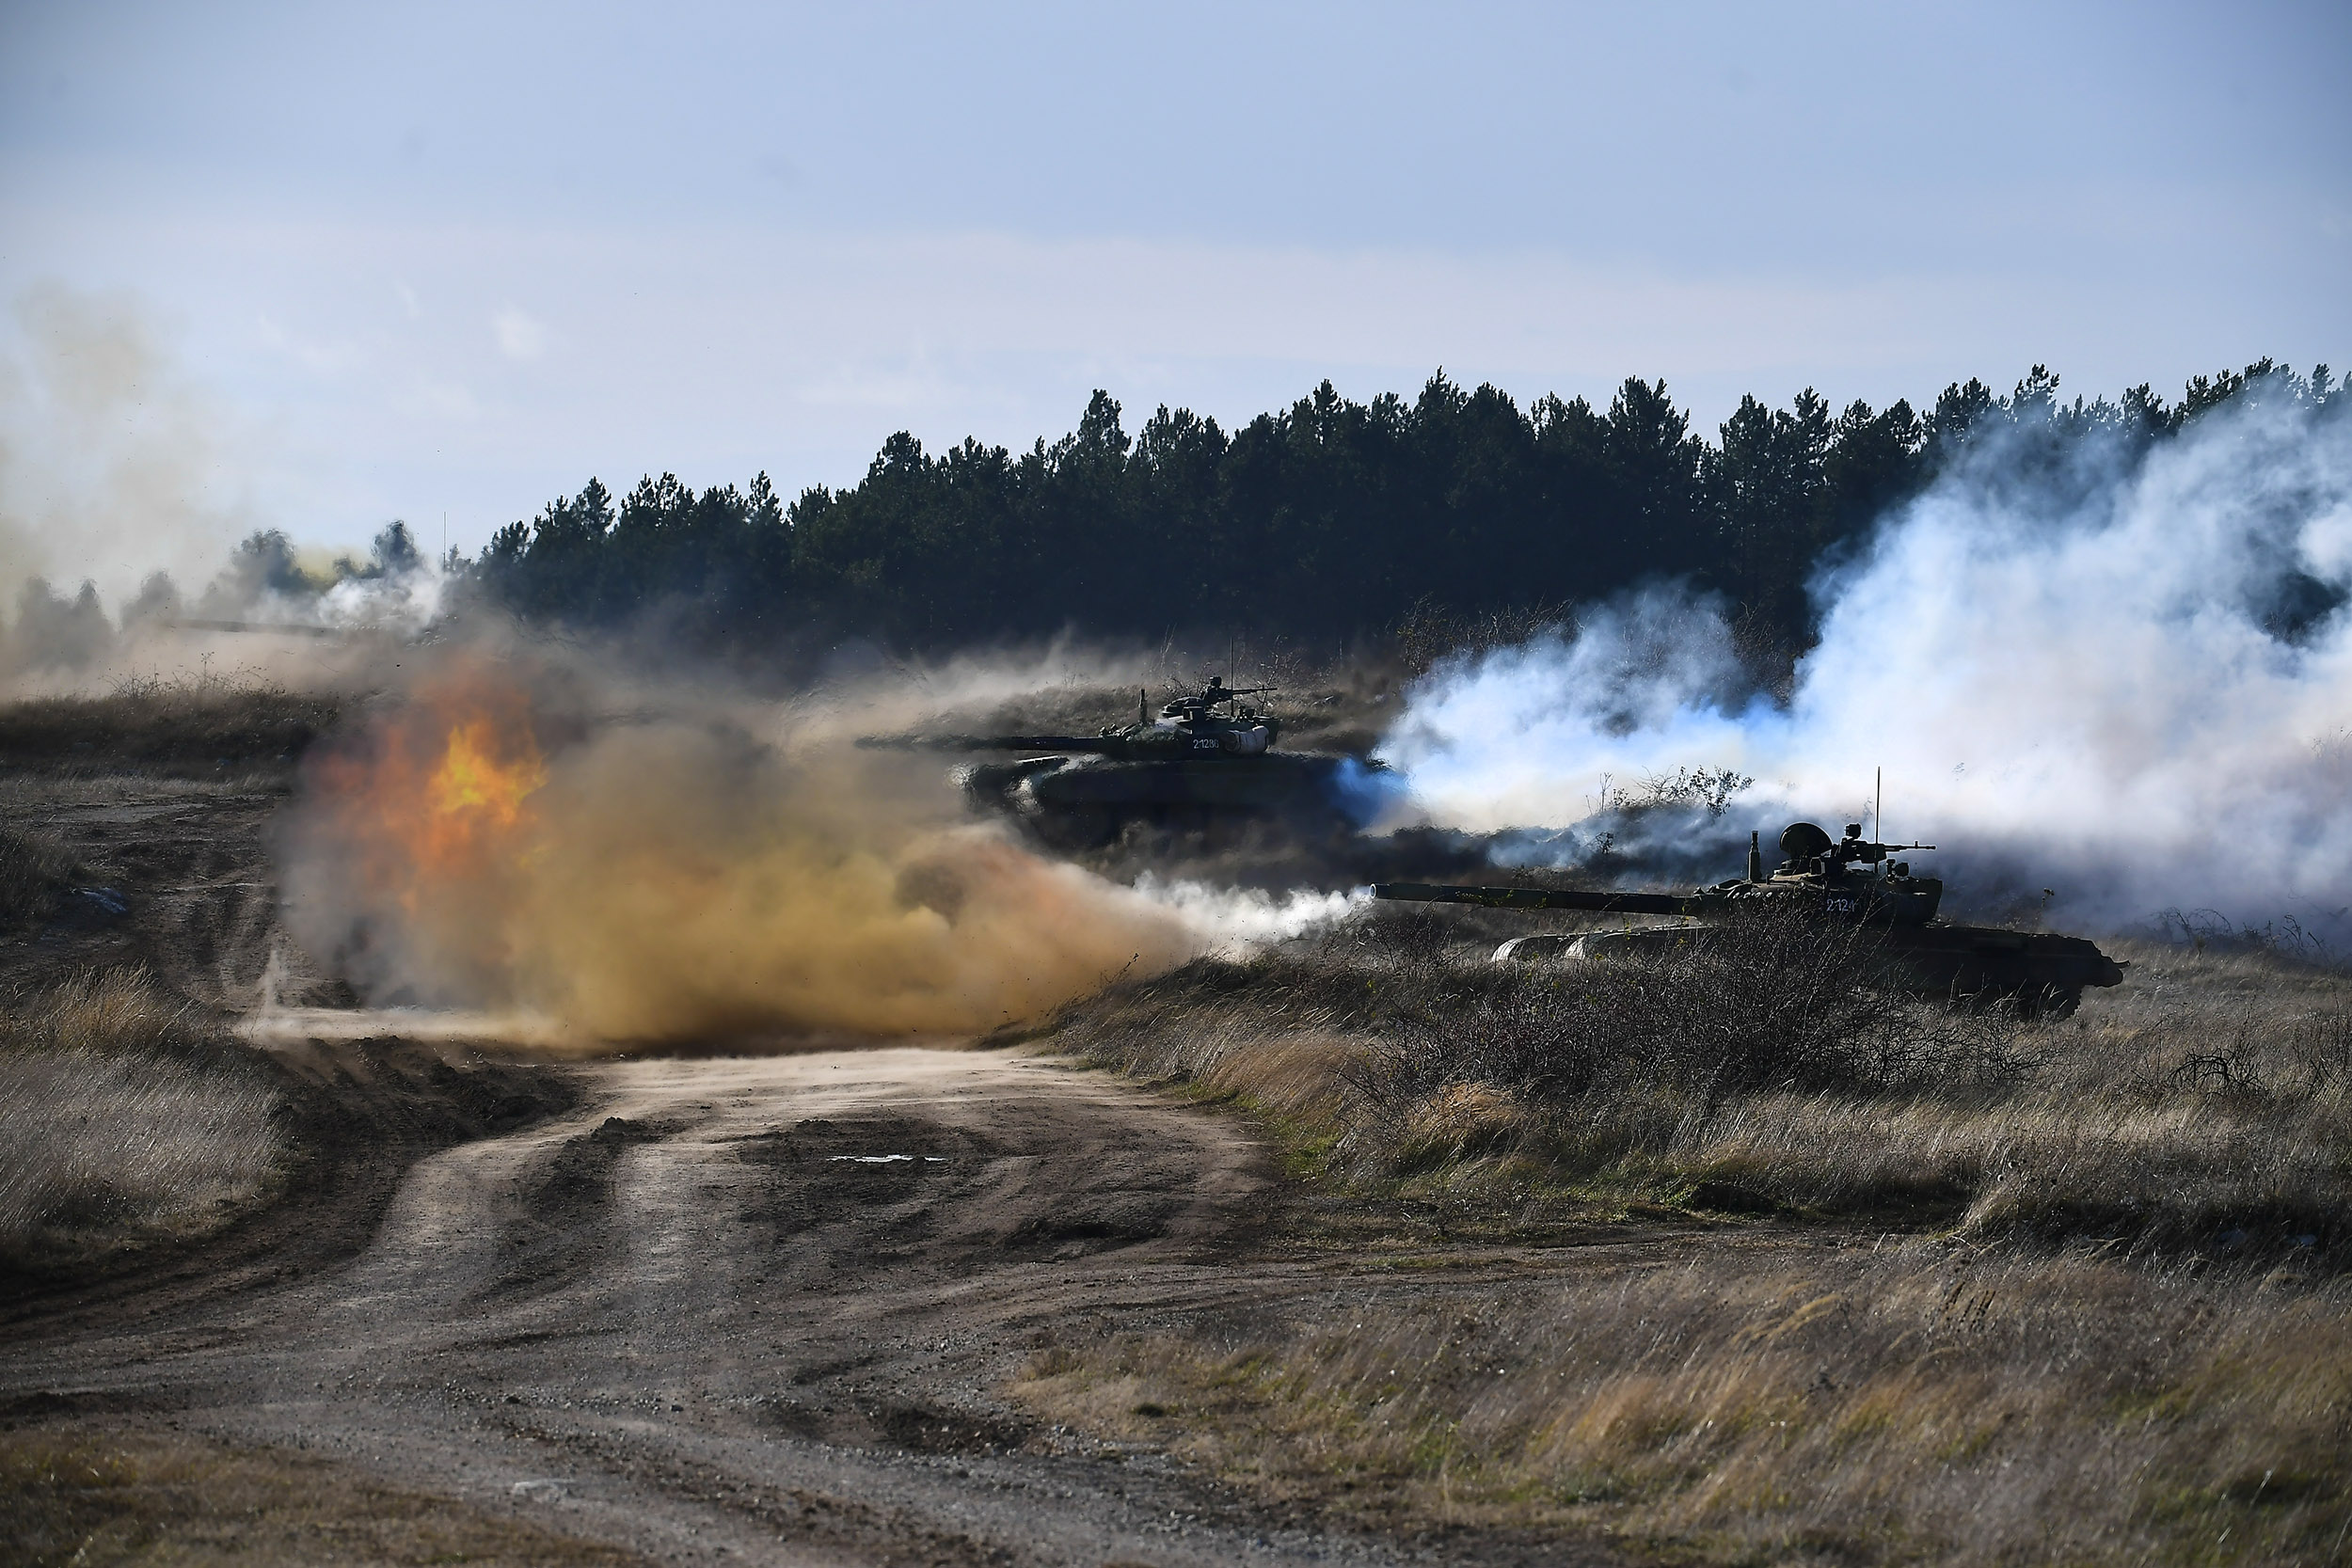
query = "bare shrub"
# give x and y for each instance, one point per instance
(1769, 999)
(1629, 1070)
(2281, 936)
(1430, 633)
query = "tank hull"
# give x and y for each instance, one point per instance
(2037, 970)
(1093, 799)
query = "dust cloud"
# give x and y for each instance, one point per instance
(2129, 683)
(122, 484)
(546, 841)
(111, 465)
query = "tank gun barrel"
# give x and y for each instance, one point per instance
(1541, 898)
(1078, 743)
(1217, 691)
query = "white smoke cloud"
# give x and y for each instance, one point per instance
(2128, 678)
(1235, 922)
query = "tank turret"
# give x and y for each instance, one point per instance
(1206, 755)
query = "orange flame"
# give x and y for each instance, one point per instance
(440, 796)
(475, 796)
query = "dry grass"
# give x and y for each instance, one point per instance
(2208, 1105)
(1914, 1403)
(200, 728)
(2034, 1293)
(97, 1498)
(121, 1125)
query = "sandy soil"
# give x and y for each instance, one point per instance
(750, 1310)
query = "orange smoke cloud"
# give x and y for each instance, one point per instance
(477, 846)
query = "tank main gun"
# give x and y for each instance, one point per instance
(1542, 898)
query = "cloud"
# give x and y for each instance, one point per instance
(520, 337)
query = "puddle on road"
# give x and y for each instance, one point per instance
(886, 1159)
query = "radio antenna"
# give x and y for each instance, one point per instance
(1877, 802)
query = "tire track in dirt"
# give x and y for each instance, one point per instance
(758, 1309)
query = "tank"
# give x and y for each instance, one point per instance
(1848, 879)
(1208, 756)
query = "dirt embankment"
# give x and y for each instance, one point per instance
(354, 1118)
(143, 919)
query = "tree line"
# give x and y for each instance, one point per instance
(1329, 519)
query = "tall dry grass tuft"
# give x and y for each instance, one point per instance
(120, 1124)
(103, 1011)
(1914, 1402)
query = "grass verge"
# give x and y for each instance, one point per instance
(1918, 1403)
(2206, 1107)
(1918, 1285)
(92, 1498)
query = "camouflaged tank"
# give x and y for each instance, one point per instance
(1207, 757)
(1850, 881)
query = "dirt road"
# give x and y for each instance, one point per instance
(749, 1310)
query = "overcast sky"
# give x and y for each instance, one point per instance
(401, 261)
